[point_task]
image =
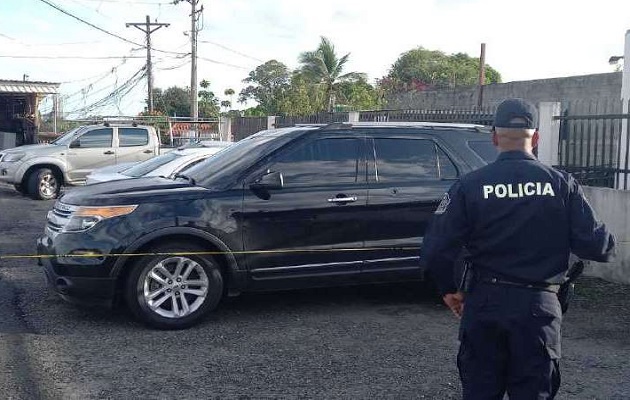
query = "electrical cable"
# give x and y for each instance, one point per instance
(231, 50)
(56, 7)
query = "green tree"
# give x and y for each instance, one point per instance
(325, 68)
(208, 102)
(227, 104)
(420, 69)
(268, 84)
(358, 94)
(302, 97)
(174, 101)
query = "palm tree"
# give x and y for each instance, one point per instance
(229, 92)
(324, 67)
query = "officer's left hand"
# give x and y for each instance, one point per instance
(455, 301)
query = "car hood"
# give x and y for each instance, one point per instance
(35, 149)
(133, 191)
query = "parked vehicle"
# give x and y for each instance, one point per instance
(288, 208)
(40, 170)
(166, 165)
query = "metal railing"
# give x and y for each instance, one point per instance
(594, 142)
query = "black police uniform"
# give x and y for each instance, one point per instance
(518, 221)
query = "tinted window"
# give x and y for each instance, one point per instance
(401, 159)
(96, 138)
(149, 165)
(321, 161)
(128, 137)
(486, 150)
(447, 168)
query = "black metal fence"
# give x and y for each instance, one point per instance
(594, 142)
(320, 118)
(475, 116)
(246, 126)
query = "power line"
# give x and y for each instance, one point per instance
(232, 50)
(223, 63)
(71, 57)
(157, 3)
(56, 7)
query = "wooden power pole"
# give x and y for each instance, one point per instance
(148, 28)
(194, 98)
(482, 73)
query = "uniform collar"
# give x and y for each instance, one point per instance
(515, 155)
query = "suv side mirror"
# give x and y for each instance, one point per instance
(75, 144)
(269, 181)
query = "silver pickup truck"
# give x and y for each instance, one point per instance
(40, 170)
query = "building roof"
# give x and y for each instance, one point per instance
(28, 87)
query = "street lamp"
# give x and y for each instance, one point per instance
(614, 59)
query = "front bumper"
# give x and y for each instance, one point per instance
(65, 279)
(8, 171)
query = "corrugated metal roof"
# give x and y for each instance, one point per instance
(28, 87)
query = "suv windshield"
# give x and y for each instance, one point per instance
(151, 164)
(67, 137)
(233, 156)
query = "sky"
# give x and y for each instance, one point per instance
(536, 39)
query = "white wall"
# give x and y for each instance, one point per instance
(613, 207)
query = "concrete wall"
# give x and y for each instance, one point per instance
(586, 87)
(612, 207)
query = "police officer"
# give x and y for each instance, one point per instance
(517, 221)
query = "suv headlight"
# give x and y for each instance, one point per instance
(85, 218)
(13, 157)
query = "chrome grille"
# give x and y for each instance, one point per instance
(59, 216)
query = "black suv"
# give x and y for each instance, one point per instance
(287, 208)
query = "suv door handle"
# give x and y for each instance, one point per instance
(348, 199)
(148, 151)
(108, 152)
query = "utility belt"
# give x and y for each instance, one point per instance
(565, 291)
(473, 276)
(548, 287)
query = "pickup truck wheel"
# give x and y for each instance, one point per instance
(173, 291)
(43, 184)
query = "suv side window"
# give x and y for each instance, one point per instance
(96, 138)
(129, 137)
(322, 161)
(401, 159)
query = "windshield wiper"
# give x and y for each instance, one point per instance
(186, 177)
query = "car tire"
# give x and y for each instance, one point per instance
(173, 289)
(43, 184)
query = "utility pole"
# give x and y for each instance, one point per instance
(147, 28)
(194, 98)
(482, 73)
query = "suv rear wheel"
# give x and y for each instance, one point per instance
(43, 184)
(174, 291)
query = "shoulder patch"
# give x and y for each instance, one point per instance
(443, 206)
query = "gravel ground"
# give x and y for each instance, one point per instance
(389, 342)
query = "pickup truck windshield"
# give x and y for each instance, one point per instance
(67, 137)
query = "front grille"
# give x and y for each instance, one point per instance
(59, 216)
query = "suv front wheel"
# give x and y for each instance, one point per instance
(174, 288)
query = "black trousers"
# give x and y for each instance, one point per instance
(510, 343)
